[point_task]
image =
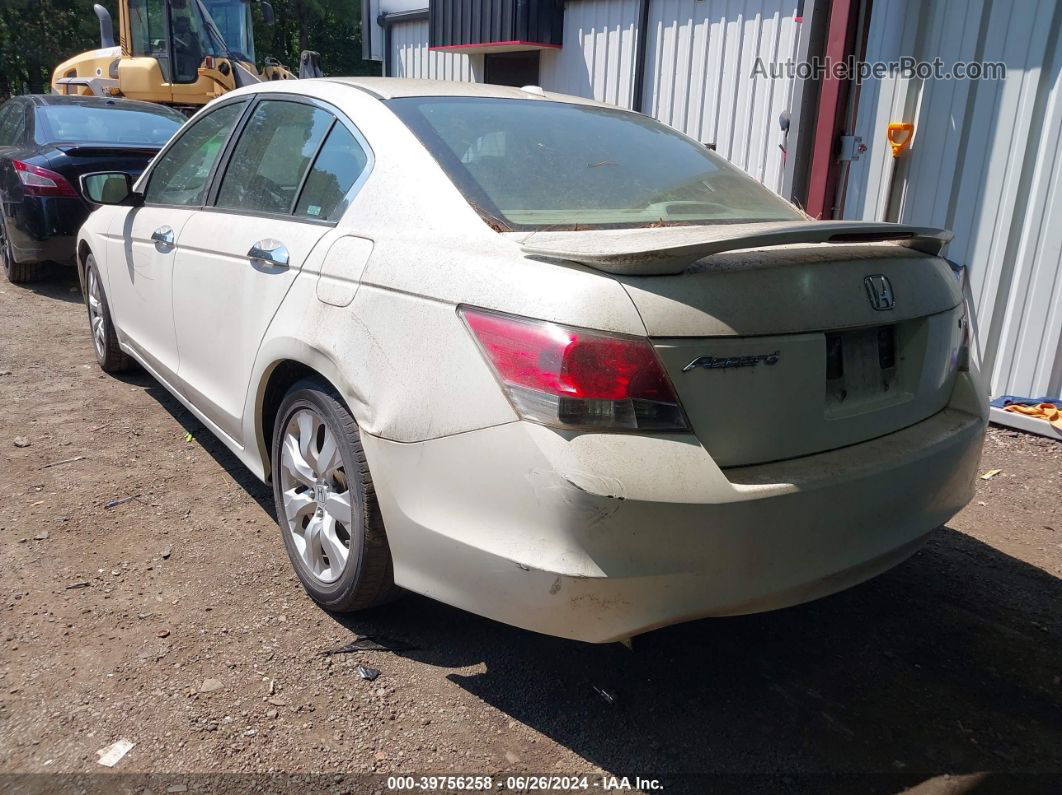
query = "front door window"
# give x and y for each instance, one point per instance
(182, 174)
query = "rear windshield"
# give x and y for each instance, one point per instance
(86, 124)
(539, 164)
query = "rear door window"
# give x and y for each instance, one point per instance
(273, 156)
(339, 164)
(182, 173)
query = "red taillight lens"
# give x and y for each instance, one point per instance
(569, 377)
(37, 181)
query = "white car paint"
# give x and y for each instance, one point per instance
(595, 536)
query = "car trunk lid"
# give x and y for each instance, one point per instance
(73, 161)
(792, 347)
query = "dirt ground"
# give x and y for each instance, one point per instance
(945, 673)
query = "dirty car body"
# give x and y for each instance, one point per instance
(604, 382)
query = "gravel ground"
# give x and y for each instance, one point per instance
(172, 619)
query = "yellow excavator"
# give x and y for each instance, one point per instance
(182, 53)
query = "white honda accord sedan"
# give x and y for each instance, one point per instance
(537, 357)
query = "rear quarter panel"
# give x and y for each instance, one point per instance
(398, 352)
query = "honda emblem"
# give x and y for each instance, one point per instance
(879, 291)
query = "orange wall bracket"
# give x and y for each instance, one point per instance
(900, 136)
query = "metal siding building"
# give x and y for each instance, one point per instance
(412, 58)
(597, 59)
(701, 75)
(985, 159)
(460, 23)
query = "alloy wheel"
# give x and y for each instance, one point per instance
(96, 318)
(316, 495)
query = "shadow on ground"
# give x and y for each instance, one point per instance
(58, 282)
(242, 476)
(948, 664)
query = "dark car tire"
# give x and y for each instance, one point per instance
(16, 272)
(366, 577)
(109, 355)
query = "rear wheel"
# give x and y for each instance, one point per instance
(326, 504)
(110, 356)
(16, 272)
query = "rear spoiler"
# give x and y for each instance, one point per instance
(106, 150)
(671, 249)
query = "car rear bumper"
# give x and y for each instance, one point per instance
(45, 229)
(61, 250)
(600, 537)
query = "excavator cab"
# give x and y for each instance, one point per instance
(175, 52)
(235, 23)
(174, 33)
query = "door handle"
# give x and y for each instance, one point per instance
(269, 252)
(163, 236)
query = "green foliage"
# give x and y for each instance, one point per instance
(331, 27)
(37, 35)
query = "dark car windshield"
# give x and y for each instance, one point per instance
(115, 124)
(540, 164)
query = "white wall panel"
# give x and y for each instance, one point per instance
(410, 56)
(895, 29)
(597, 59)
(985, 162)
(701, 57)
(1027, 324)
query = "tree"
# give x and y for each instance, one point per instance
(331, 27)
(37, 35)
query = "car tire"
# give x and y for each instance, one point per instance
(109, 355)
(326, 503)
(16, 272)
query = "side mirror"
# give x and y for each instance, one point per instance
(267, 12)
(108, 187)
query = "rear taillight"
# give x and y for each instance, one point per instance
(37, 181)
(572, 378)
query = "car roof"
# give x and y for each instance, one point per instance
(93, 102)
(395, 87)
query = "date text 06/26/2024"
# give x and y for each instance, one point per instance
(522, 783)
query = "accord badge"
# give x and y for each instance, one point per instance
(726, 362)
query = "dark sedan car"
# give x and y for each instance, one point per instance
(46, 144)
